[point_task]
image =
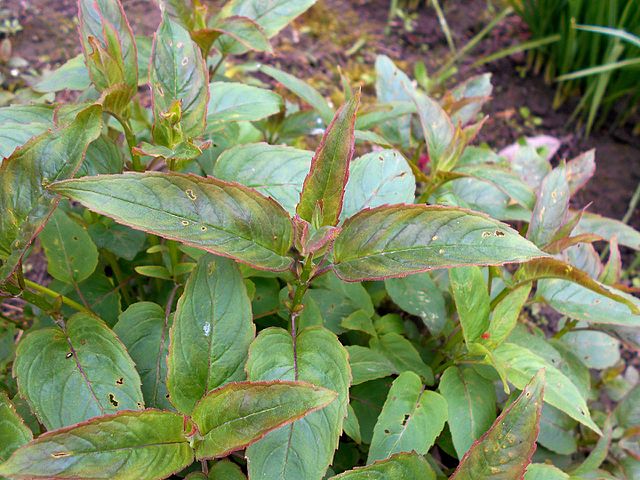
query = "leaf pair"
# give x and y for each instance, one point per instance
(154, 444)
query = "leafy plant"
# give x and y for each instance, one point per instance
(393, 307)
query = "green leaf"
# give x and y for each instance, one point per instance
(557, 431)
(237, 415)
(71, 254)
(543, 471)
(235, 35)
(402, 466)
(411, 419)
(324, 185)
(120, 240)
(271, 15)
(72, 75)
(19, 123)
(301, 89)
(437, 128)
(150, 444)
(103, 157)
(468, 98)
(551, 268)
(402, 354)
(580, 170)
(472, 405)
(607, 228)
(471, 296)
(236, 102)
(506, 449)
(219, 217)
(177, 74)
(13, 432)
(305, 448)
(552, 207)
(276, 171)
(367, 400)
(504, 180)
(352, 425)
(226, 470)
(211, 332)
(378, 178)
(419, 295)
(360, 321)
(367, 364)
(561, 392)
(504, 317)
(108, 44)
(596, 349)
(49, 157)
(394, 241)
(71, 375)
(393, 85)
(144, 330)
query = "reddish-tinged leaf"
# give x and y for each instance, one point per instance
(552, 268)
(566, 242)
(224, 218)
(504, 452)
(129, 445)
(108, 44)
(552, 206)
(52, 156)
(325, 183)
(239, 414)
(395, 241)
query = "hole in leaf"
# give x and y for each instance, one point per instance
(60, 454)
(406, 419)
(120, 381)
(499, 233)
(112, 400)
(68, 355)
(387, 431)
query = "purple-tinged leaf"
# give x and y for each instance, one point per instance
(395, 241)
(177, 74)
(52, 156)
(223, 218)
(239, 414)
(235, 35)
(505, 451)
(325, 183)
(542, 268)
(149, 444)
(108, 44)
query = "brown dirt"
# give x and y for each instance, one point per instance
(314, 46)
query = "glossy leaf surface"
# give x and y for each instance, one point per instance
(144, 330)
(223, 218)
(239, 414)
(504, 452)
(324, 185)
(471, 400)
(394, 241)
(305, 448)
(411, 419)
(19, 123)
(211, 332)
(551, 207)
(403, 466)
(73, 375)
(49, 157)
(150, 444)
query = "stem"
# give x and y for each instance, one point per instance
(217, 66)
(295, 308)
(131, 142)
(117, 272)
(55, 295)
